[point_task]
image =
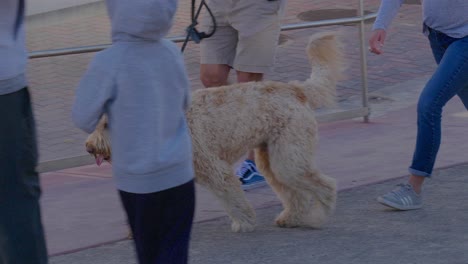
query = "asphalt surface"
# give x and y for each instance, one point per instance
(361, 231)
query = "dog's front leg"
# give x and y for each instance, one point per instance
(228, 190)
(238, 208)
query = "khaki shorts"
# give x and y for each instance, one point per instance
(246, 37)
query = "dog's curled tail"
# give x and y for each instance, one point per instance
(326, 57)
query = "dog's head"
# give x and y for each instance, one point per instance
(98, 142)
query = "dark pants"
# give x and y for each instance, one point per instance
(21, 232)
(161, 223)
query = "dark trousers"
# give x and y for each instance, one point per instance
(161, 223)
(21, 233)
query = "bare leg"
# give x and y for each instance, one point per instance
(249, 76)
(416, 182)
(214, 75)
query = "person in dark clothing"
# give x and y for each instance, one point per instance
(21, 233)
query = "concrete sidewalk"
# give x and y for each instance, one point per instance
(81, 208)
(361, 231)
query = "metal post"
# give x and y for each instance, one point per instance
(365, 88)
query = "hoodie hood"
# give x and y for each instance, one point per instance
(140, 20)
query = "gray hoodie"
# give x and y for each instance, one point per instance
(447, 16)
(140, 82)
(13, 55)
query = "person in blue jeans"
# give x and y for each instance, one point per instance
(22, 237)
(446, 26)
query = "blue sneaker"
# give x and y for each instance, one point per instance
(250, 176)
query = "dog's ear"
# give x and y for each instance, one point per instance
(103, 122)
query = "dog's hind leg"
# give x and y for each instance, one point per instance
(217, 176)
(296, 203)
(296, 179)
(324, 191)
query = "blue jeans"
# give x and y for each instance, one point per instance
(450, 79)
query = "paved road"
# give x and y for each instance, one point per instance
(360, 232)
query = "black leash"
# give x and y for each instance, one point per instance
(192, 32)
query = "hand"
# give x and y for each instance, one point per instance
(377, 40)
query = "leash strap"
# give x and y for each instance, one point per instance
(192, 32)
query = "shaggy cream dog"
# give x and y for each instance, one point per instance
(277, 119)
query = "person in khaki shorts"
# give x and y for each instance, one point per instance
(246, 39)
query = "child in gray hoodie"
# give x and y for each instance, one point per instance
(141, 84)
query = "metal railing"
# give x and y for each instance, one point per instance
(363, 111)
(177, 39)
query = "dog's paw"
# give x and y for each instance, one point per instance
(318, 216)
(245, 227)
(285, 224)
(310, 220)
(130, 235)
(285, 220)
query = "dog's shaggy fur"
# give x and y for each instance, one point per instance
(277, 119)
